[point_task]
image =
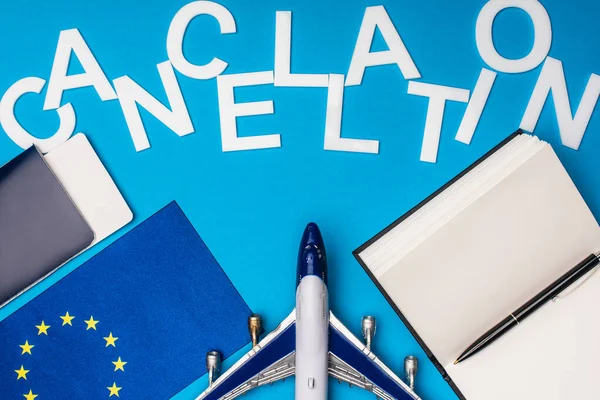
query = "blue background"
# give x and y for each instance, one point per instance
(251, 207)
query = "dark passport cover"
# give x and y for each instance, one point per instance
(40, 227)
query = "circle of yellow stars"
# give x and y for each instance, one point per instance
(67, 319)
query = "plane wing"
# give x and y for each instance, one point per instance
(273, 359)
(352, 362)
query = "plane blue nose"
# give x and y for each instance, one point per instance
(312, 259)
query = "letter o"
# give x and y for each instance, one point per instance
(542, 39)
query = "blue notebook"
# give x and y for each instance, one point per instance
(135, 321)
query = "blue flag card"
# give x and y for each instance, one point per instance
(133, 322)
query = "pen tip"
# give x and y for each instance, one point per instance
(456, 362)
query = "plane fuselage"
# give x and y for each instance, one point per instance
(312, 318)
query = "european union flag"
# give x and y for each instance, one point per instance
(133, 322)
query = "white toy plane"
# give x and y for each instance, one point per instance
(311, 343)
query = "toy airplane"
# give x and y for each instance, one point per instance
(311, 343)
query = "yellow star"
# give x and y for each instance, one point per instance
(67, 319)
(43, 328)
(119, 364)
(91, 324)
(21, 373)
(114, 390)
(26, 347)
(110, 340)
(30, 396)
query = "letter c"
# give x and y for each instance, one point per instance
(17, 133)
(177, 32)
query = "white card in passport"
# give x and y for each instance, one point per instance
(91, 188)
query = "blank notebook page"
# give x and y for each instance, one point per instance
(478, 251)
(552, 355)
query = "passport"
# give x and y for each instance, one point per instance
(40, 226)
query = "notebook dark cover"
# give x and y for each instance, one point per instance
(400, 220)
(40, 227)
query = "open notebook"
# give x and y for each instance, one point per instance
(478, 249)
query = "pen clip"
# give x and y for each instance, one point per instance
(581, 283)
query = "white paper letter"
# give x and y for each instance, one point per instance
(131, 94)
(333, 122)
(363, 57)
(68, 41)
(476, 105)
(552, 78)
(16, 132)
(283, 44)
(177, 31)
(438, 95)
(542, 41)
(229, 110)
